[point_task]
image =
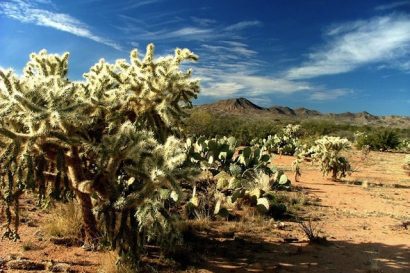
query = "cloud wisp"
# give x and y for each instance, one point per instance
(351, 45)
(329, 94)
(195, 29)
(28, 12)
(237, 80)
(393, 5)
(242, 25)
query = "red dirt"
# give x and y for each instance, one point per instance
(362, 217)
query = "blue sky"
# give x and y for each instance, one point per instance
(329, 55)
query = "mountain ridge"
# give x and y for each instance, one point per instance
(243, 106)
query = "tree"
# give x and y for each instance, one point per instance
(111, 139)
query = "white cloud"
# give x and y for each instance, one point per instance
(405, 65)
(221, 82)
(26, 12)
(136, 4)
(393, 5)
(184, 33)
(380, 39)
(235, 51)
(134, 44)
(203, 21)
(161, 27)
(235, 43)
(329, 94)
(222, 89)
(243, 25)
(188, 31)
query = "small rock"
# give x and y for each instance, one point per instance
(65, 241)
(58, 267)
(24, 220)
(13, 256)
(280, 225)
(25, 265)
(31, 224)
(228, 234)
(290, 240)
(39, 234)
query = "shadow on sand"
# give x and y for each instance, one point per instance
(223, 255)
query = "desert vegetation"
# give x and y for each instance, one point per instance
(121, 165)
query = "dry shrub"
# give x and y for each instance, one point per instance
(109, 264)
(64, 220)
(29, 245)
(313, 232)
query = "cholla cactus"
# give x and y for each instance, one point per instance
(327, 152)
(406, 165)
(404, 145)
(109, 138)
(285, 142)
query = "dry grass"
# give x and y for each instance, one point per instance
(198, 224)
(64, 220)
(109, 264)
(313, 232)
(28, 246)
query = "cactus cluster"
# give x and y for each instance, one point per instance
(238, 172)
(404, 145)
(111, 140)
(284, 143)
(327, 152)
(406, 165)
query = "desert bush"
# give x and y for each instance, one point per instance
(313, 232)
(404, 145)
(284, 142)
(209, 125)
(380, 140)
(112, 139)
(406, 165)
(64, 220)
(327, 152)
(111, 263)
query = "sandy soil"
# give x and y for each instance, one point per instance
(361, 216)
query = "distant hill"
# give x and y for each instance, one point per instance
(233, 105)
(246, 108)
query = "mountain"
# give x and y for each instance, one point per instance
(282, 110)
(307, 112)
(246, 108)
(233, 105)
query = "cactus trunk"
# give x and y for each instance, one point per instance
(76, 175)
(334, 174)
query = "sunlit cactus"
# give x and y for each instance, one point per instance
(327, 152)
(112, 139)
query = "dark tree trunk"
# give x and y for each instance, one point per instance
(89, 221)
(76, 176)
(334, 174)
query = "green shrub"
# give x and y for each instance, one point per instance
(381, 140)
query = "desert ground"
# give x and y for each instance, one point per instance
(363, 220)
